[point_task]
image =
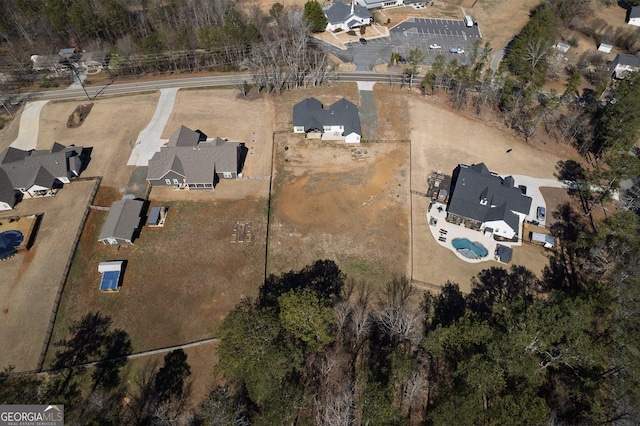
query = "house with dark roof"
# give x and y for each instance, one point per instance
(339, 122)
(37, 173)
(122, 223)
(190, 161)
(482, 200)
(624, 64)
(345, 17)
(634, 16)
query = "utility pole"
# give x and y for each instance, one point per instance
(6, 109)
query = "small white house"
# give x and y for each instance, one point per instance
(605, 48)
(634, 16)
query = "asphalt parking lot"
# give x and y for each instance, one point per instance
(411, 34)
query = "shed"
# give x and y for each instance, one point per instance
(111, 272)
(545, 239)
(562, 47)
(157, 216)
(606, 48)
(122, 222)
(634, 16)
(504, 253)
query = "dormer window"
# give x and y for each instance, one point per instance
(483, 201)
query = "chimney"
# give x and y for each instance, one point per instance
(353, 2)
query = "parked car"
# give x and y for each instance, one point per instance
(541, 213)
(456, 50)
(363, 40)
(435, 46)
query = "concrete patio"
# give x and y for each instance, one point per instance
(439, 213)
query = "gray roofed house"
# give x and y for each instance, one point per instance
(345, 17)
(625, 64)
(482, 199)
(339, 121)
(42, 172)
(188, 162)
(123, 221)
(634, 16)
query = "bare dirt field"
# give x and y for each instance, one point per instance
(29, 281)
(110, 127)
(328, 204)
(221, 113)
(440, 140)
(180, 280)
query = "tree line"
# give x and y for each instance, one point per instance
(315, 347)
(160, 37)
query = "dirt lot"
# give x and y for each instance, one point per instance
(109, 128)
(29, 281)
(328, 204)
(441, 139)
(220, 112)
(180, 280)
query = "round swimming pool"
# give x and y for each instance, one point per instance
(469, 249)
(9, 242)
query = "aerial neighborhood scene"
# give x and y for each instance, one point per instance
(320, 212)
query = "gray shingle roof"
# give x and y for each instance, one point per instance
(25, 167)
(184, 136)
(630, 60)
(635, 12)
(309, 113)
(7, 192)
(197, 163)
(339, 12)
(483, 196)
(123, 220)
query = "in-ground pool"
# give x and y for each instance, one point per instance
(9, 242)
(469, 249)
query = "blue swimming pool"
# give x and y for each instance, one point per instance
(9, 242)
(469, 249)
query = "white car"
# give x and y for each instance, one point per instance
(435, 46)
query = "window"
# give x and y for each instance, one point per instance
(167, 181)
(176, 182)
(227, 175)
(298, 129)
(326, 128)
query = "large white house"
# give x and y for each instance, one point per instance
(339, 122)
(343, 17)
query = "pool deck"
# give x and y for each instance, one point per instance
(24, 224)
(439, 212)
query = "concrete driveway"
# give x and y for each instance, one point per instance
(149, 142)
(29, 126)
(533, 190)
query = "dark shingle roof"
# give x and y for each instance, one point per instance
(339, 12)
(309, 113)
(481, 195)
(7, 192)
(123, 220)
(630, 60)
(635, 12)
(25, 167)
